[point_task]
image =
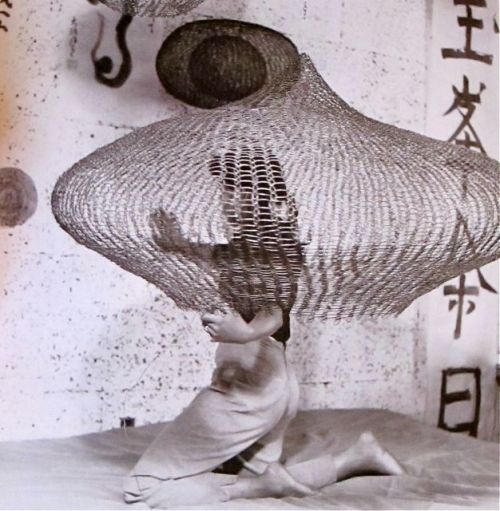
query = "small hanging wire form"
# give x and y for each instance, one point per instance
(153, 8)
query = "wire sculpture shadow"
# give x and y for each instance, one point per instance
(103, 66)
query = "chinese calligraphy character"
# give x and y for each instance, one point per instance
(6, 14)
(469, 22)
(462, 290)
(465, 103)
(449, 397)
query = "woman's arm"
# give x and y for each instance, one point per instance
(168, 236)
(234, 329)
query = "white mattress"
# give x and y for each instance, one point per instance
(444, 470)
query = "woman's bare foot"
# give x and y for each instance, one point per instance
(367, 456)
(196, 490)
(136, 486)
(274, 482)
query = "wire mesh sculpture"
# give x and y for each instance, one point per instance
(211, 63)
(287, 197)
(153, 8)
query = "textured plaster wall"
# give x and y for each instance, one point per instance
(82, 343)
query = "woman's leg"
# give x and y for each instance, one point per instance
(365, 456)
(269, 448)
(246, 400)
(205, 488)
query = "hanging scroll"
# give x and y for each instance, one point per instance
(462, 108)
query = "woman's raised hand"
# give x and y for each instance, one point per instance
(229, 327)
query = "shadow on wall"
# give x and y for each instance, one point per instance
(129, 83)
(18, 197)
(108, 50)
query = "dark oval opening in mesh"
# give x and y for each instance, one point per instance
(227, 68)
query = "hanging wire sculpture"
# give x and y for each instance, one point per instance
(288, 197)
(153, 8)
(211, 63)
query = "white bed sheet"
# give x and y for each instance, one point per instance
(444, 470)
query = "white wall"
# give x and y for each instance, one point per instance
(82, 342)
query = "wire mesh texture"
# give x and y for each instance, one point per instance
(211, 63)
(153, 8)
(288, 197)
